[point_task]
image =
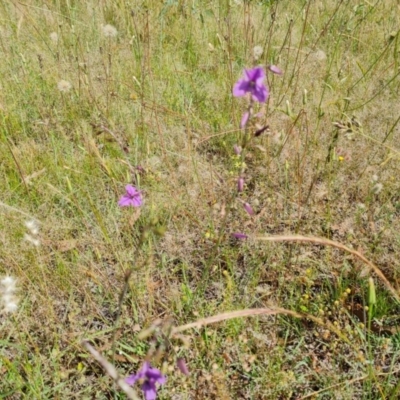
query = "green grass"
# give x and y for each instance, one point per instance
(159, 95)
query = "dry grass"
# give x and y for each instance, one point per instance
(158, 95)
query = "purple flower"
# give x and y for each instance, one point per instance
(150, 377)
(252, 82)
(274, 69)
(239, 235)
(132, 197)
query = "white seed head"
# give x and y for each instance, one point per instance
(32, 226)
(257, 52)
(320, 55)
(8, 300)
(8, 284)
(10, 307)
(54, 37)
(109, 31)
(64, 86)
(377, 188)
(31, 239)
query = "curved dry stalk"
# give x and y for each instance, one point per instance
(111, 370)
(252, 312)
(332, 243)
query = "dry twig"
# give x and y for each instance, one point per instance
(111, 370)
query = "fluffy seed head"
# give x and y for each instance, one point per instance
(64, 86)
(32, 226)
(257, 52)
(8, 300)
(109, 31)
(8, 284)
(54, 37)
(29, 238)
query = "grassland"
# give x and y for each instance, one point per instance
(86, 109)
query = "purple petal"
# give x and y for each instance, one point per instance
(154, 373)
(124, 201)
(132, 379)
(161, 380)
(244, 120)
(260, 93)
(131, 190)
(146, 367)
(136, 201)
(274, 69)
(239, 235)
(149, 390)
(241, 88)
(256, 74)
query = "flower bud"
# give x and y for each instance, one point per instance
(274, 69)
(237, 149)
(240, 184)
(239, 235)
(248, 208)
(372, 293)
(244, 120)
(182, 366)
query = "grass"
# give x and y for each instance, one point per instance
(159, 95)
